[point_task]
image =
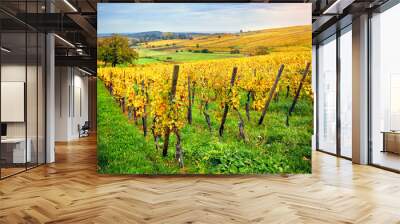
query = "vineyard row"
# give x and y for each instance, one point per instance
(151, 92)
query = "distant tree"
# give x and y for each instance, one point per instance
(197, 46)
(205, 51)
(115, 50)
(241, 31)
(262, 50)
(235, 51)
(168, 35)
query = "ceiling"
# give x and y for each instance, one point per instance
(331, 15)
(75, 21)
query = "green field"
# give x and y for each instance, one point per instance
(147, 56)
(272, 147)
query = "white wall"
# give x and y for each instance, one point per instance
(13, 72)
(81, 89)
(62, 82)
(71, 93)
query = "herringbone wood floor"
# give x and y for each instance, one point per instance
(70, 191)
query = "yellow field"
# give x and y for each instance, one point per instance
(296, 38)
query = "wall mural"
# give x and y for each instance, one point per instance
(204, 88)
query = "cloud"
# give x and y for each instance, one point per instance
(221, 17)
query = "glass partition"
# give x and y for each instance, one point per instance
(385, 89)
(327, 95)
(14, 153)
(22, 94)
(346, 92)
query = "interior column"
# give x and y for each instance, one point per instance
(360, 90)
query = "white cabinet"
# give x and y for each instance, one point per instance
(19, 155)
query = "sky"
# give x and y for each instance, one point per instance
(202, 18)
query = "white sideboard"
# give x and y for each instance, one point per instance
(19, 155)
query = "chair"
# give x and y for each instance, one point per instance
(84, 130)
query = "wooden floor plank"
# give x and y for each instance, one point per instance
(70, 191)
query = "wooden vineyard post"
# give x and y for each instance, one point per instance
(189, 113)
(134, 115)
(110, 87)
(122, 102)
(206, 115)
(123, 97)
(276, 96)
(287, 91)
(193, 91)
(296, 97)
(226, 107)
(248, 105)
(271, 94)
(144, 117)
(241, 125)
(171, 99)
(155, 135)
(249, 96)
(129, 113)
(178, 149)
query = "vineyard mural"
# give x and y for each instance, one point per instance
(198, 89)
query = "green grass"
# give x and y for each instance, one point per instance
(143, 52)
(271, 147)
(121, 148)
(147, 56)
(143, 61)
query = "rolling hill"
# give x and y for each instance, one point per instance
(155, 35)
(296, 38)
